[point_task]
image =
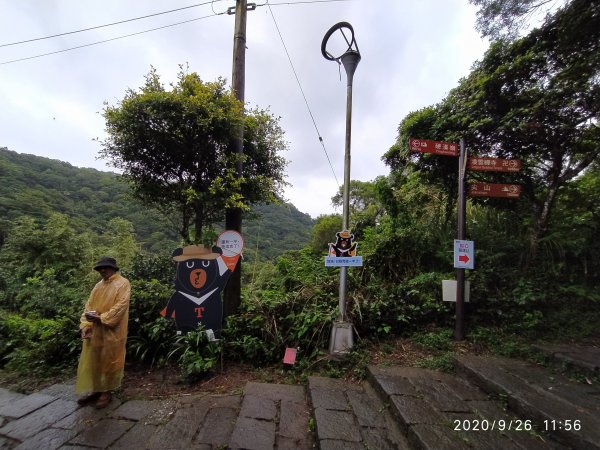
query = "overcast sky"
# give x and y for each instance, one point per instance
(413, 53)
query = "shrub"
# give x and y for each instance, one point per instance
(195, 354)
(37, 346)
(395, 308)
(293, 306)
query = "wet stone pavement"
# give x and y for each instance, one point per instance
(487, 403)
(266, 416)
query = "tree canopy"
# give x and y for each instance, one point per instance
(506, 18)
(536, 99)
(173, 146)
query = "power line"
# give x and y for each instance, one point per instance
(176, 24)
(108, 24)
(211, 2)
(139, 32)
(302, 91)
(108, 40)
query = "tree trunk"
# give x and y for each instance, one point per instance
(541, 225)
(198, 223)
(185, 227)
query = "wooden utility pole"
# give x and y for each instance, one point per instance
(233, 216)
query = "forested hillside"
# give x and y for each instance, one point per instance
(36, 187)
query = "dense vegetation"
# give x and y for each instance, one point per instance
(537, 259)
(37, 187)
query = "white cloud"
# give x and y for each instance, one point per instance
(413, 53)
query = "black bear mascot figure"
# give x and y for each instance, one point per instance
(202, 274)
(343, 245)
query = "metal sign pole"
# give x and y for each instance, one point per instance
(459, 330)
(350, 60)
(341, 334)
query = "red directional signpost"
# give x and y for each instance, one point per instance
(435, 147)
(494, 190)
(464, 250)
(486, 164)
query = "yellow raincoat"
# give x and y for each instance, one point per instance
(102, 357)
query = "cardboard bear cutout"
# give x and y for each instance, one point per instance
(202, 274)
(343, 252)
(344, 245)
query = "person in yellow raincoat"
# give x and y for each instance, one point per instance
(103, 327)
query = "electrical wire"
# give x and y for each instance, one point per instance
(211, 2)
(134, 34)
(110, 24)
(302, 91)
(108, 40)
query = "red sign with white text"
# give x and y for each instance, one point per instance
(494, 164)
(435, 147)
(494, 190)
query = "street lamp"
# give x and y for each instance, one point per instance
(341, 334)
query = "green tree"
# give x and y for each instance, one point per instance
(506, 18)
(324, 232)
(172, 145)
(571, 243)
(536, 99)
(43, 268)
(119, 241)
(365, 206)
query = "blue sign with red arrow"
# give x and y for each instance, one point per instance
(464, 254)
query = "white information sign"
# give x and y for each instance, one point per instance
(464, 254)
(352, 261)
(449, 291)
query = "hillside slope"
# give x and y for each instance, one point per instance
(37, 186)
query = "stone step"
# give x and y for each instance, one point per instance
(438, 410)
(272, 416)
(582, 357)
(566, 410)
(492, 403)
(349, 416)
(266, 416)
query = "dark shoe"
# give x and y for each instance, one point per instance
(103, 400)
(87, 398)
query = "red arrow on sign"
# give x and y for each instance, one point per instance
(463, 259)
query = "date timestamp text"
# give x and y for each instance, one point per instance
(515, 425)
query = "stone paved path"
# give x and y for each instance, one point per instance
(266, 416)
(582, 357)
(489, 403)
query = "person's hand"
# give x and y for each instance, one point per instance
(92, 316)
(86, 332)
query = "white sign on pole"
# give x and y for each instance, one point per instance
(352, 261)
(449, 291)
(464, 254)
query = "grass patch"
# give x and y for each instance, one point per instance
(443, 362)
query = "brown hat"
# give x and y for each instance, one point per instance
(196, 252)
(345, 234)
(106, 261)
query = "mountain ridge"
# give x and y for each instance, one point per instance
(37, 186)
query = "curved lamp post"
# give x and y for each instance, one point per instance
(341, 334)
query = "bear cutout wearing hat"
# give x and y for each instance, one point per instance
(343, 245)
(202, 274)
